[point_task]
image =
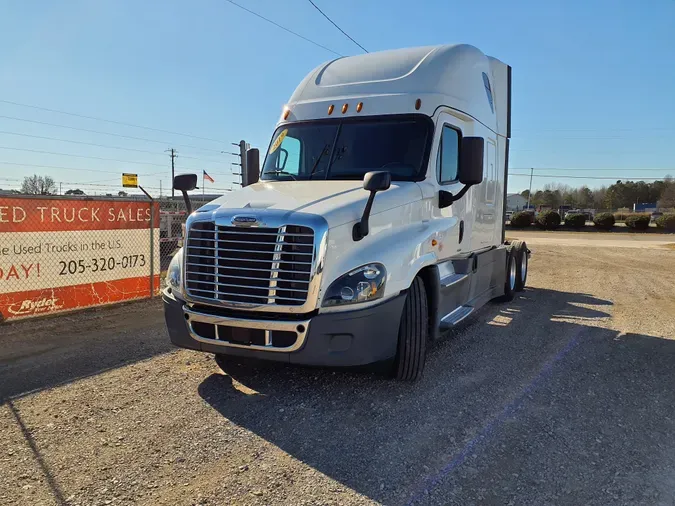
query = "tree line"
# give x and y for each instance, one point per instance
(554, 195)
(619, 194)
(45, 185)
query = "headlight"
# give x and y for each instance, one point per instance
(173, 273)
(363, 284)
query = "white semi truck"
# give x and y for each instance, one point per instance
(377, 222)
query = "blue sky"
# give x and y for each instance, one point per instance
(592, 81)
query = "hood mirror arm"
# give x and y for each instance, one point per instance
(373, 182)
(360, 229)
(188, 204)
(185, 183)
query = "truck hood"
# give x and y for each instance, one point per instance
(339, 202)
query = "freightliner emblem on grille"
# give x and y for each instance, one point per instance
(244, 221)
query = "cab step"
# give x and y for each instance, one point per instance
(452, 319)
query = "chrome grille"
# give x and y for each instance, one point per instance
(261, 266)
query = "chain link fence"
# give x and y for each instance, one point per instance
(172, 216)
(66, 253)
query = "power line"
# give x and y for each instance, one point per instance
(82, 156)
(107, 120)
(105, 133)
(594, 169)
(562, 176)
(283, 27)
(96, 145)
(633, 129)
(73, 168)
(79, 142)
(336, 26)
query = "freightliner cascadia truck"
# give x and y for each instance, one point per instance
(377, 222)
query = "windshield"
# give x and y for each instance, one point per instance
(347, 149)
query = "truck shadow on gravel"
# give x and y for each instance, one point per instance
(532, 401)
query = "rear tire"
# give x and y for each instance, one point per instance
(412, 334)
(522, 259)
(510, 277)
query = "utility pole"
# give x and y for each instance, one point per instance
(172, 153)
(529, 193)
(160, 188)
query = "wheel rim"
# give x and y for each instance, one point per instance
(523, 267)
(512, 274)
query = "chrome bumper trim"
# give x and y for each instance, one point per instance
(268, 326)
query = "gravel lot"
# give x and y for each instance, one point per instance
(564, 396)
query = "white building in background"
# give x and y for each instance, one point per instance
(515, 202)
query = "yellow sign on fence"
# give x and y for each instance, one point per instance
(130, 180)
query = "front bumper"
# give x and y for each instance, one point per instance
(351, 338)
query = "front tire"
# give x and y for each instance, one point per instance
(413, 333)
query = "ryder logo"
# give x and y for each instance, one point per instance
(35, 306)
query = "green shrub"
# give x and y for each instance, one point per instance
(575, 220)
(666, 221)
(638, 221)
(521, 220)
(605, 221)
(548, 220)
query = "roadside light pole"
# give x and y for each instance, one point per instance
(529, 193)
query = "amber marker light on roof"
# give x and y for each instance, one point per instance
(287, 111)
(359, 106)
(418, 103)
(330, 109)
(344, 108)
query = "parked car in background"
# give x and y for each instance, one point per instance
(656, 215)
(587, 214)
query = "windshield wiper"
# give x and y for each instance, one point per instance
(282, 172)
(318, 159)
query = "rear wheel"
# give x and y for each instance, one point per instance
(520, 250)
(412, 334)
(511, 276)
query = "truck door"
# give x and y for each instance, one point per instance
(486, 215)
(452, 223)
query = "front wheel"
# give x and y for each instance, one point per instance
(412, 334)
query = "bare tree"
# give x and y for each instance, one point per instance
(38, 185)
(667, 199)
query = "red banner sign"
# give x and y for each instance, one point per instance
(60, 254)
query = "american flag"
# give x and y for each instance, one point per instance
(208, 178)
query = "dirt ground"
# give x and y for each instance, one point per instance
(564, 396)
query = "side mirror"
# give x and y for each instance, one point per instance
(376, 181)
(252, 173)
(445, 199)
(470, 170)
(185, 183)
(373, 182)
